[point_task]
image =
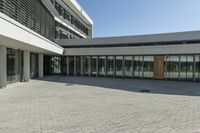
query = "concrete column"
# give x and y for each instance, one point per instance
(26, 66)
(41, 66)
(3, 67)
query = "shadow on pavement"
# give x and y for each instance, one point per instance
(133, 85)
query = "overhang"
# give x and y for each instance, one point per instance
(17, 36)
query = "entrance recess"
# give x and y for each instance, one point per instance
(159, 67)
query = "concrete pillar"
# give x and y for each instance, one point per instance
(26, 66)
(3, 67)
(41, 66)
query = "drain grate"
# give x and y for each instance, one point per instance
(145, 91)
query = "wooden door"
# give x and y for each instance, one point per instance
(159, 67)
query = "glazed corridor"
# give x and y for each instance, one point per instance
(176, 67)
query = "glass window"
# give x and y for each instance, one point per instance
(190, 66)
(183, 66)
(14, 65)
(86, 66)
(33, 65)
(197, 67)
(109, 65)
(64, 65)
(118, 66)
(128, 66)
(71, 65)
(173, 66)
(78, 65)
(138, 60)
(93, 65)
(101, 65)
(148, 66)
(56, 65)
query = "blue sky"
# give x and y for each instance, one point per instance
(133, 17)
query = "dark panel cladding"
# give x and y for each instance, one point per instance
(30, 13)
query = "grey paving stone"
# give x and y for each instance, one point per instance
(100, 105)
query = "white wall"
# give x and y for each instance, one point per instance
(139, 50)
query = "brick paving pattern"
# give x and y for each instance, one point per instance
(100, 105)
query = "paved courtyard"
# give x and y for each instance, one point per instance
(100, 105)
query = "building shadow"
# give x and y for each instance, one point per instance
(133, 85)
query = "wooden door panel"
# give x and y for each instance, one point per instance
(159, 67)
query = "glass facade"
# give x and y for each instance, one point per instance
(138, 66)
(52, 65)
(73, 19)
(128, 66)
(86, 65)
(179, 67)
(78, 65)
(197, 67)
(14, 65)
(119, 66)
(110, 66)
(148, 67)
(102, 65)
(71, 65)
(172, 67)
(93, 65)
(33, 65)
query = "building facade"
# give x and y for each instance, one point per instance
(168, 56)
(54, 37)
(28, 32)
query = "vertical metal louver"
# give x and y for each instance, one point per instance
(32, 14)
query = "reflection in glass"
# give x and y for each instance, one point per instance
(86, 66)
(183, 66)
(101, 65)
(138, 66)
(197, 67)
(148, 66)
(109, 67)
(190, 66)
(78, 65)
(14, 65)
(118, 66)
(128, 66)
(94, 65)
(64, 65)
(71, 65)
(33, 65)
(56, 65)
(173, 66)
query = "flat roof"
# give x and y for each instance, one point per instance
(187, 36)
